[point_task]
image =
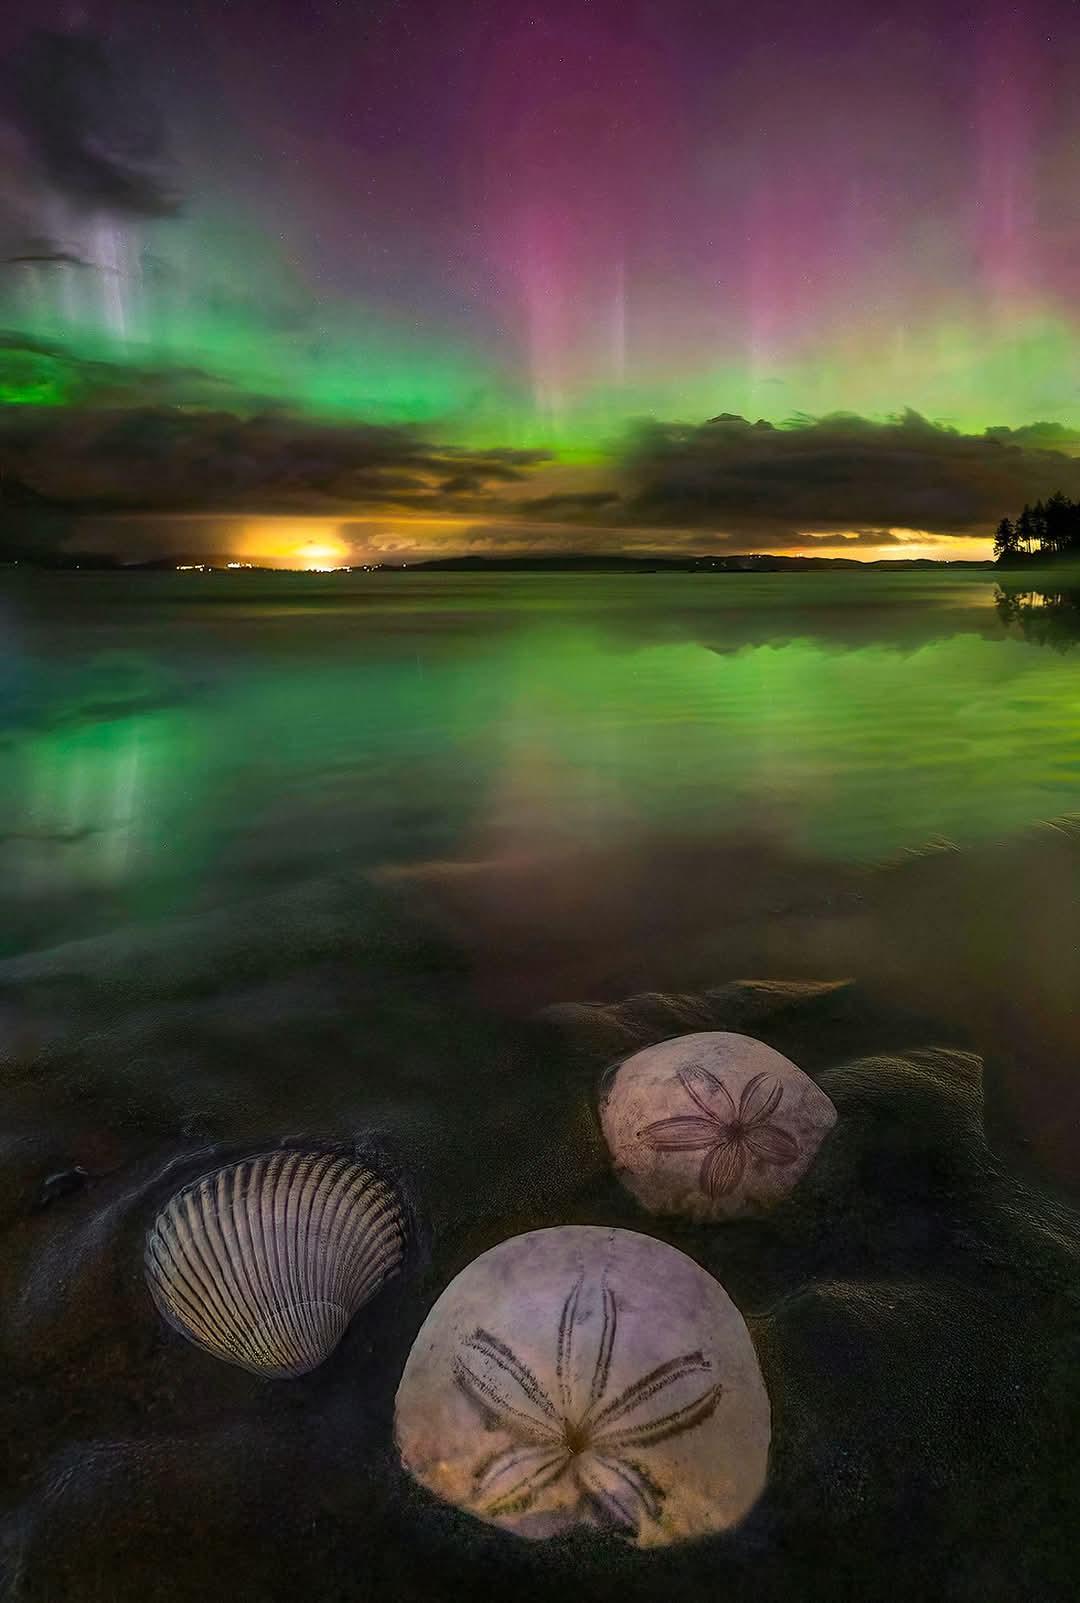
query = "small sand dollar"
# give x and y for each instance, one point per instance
(587, 1376)
(713, 1125)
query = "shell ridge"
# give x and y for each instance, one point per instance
(210, 1330)
(204, 1259)
(314, 1208)
(265, 1340)
(353, 1231)
(283, 1221)
(226, 1205)
(298, 1263)
(251, 1212)
(330, 1233)
(309, 1257)
(183, 1240)
(217, 1207)
(280, 1341)
(168, 1247)
(383, 1213)
(380, 1263)
(245, 1275)
(306, 1289)
(378, 1256)
(333, 1308)
(348, 1228)
(249, 1270)
(259, 1204)
(387, 1235)
(204, 1311)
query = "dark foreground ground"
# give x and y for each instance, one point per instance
(916, 1307)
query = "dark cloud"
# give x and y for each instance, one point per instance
(90, 123)
(526, 537)
(174, 459)
(1042, 436)
(125, 439)
(569, 504)
(849, 542)
(755, 481)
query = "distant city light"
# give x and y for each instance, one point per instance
(318, 557)
(302, 564)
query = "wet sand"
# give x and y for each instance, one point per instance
(915, 1304)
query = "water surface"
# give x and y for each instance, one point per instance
(171, 742)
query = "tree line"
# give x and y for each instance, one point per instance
(1049, 528)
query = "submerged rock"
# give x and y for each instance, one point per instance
(712, 1125)
(264, 1263)
(587, 1376)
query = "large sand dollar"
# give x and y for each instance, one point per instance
(587, 1376)
(712, 1125)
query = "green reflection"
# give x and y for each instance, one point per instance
(97, 805)
(247, 738)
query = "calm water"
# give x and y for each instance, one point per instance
(170, 742)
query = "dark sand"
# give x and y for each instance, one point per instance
(916, 1305)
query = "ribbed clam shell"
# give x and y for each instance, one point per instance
(265, 1262)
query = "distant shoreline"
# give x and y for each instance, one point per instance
(752, 562)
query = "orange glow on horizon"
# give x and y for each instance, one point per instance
(316, 556)
(908, 545)
(321, 542)
(284, 542)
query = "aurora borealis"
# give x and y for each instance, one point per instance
(523, 231)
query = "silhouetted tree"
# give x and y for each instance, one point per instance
(1062, 518)
(1025, 530)
(1005, 543)
(1050, 528)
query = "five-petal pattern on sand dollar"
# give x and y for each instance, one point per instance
(731, 1137)
(582, 1434)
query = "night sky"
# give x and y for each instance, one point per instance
(439, 275)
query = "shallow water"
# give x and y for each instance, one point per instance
(299, 858)
(173, 742)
